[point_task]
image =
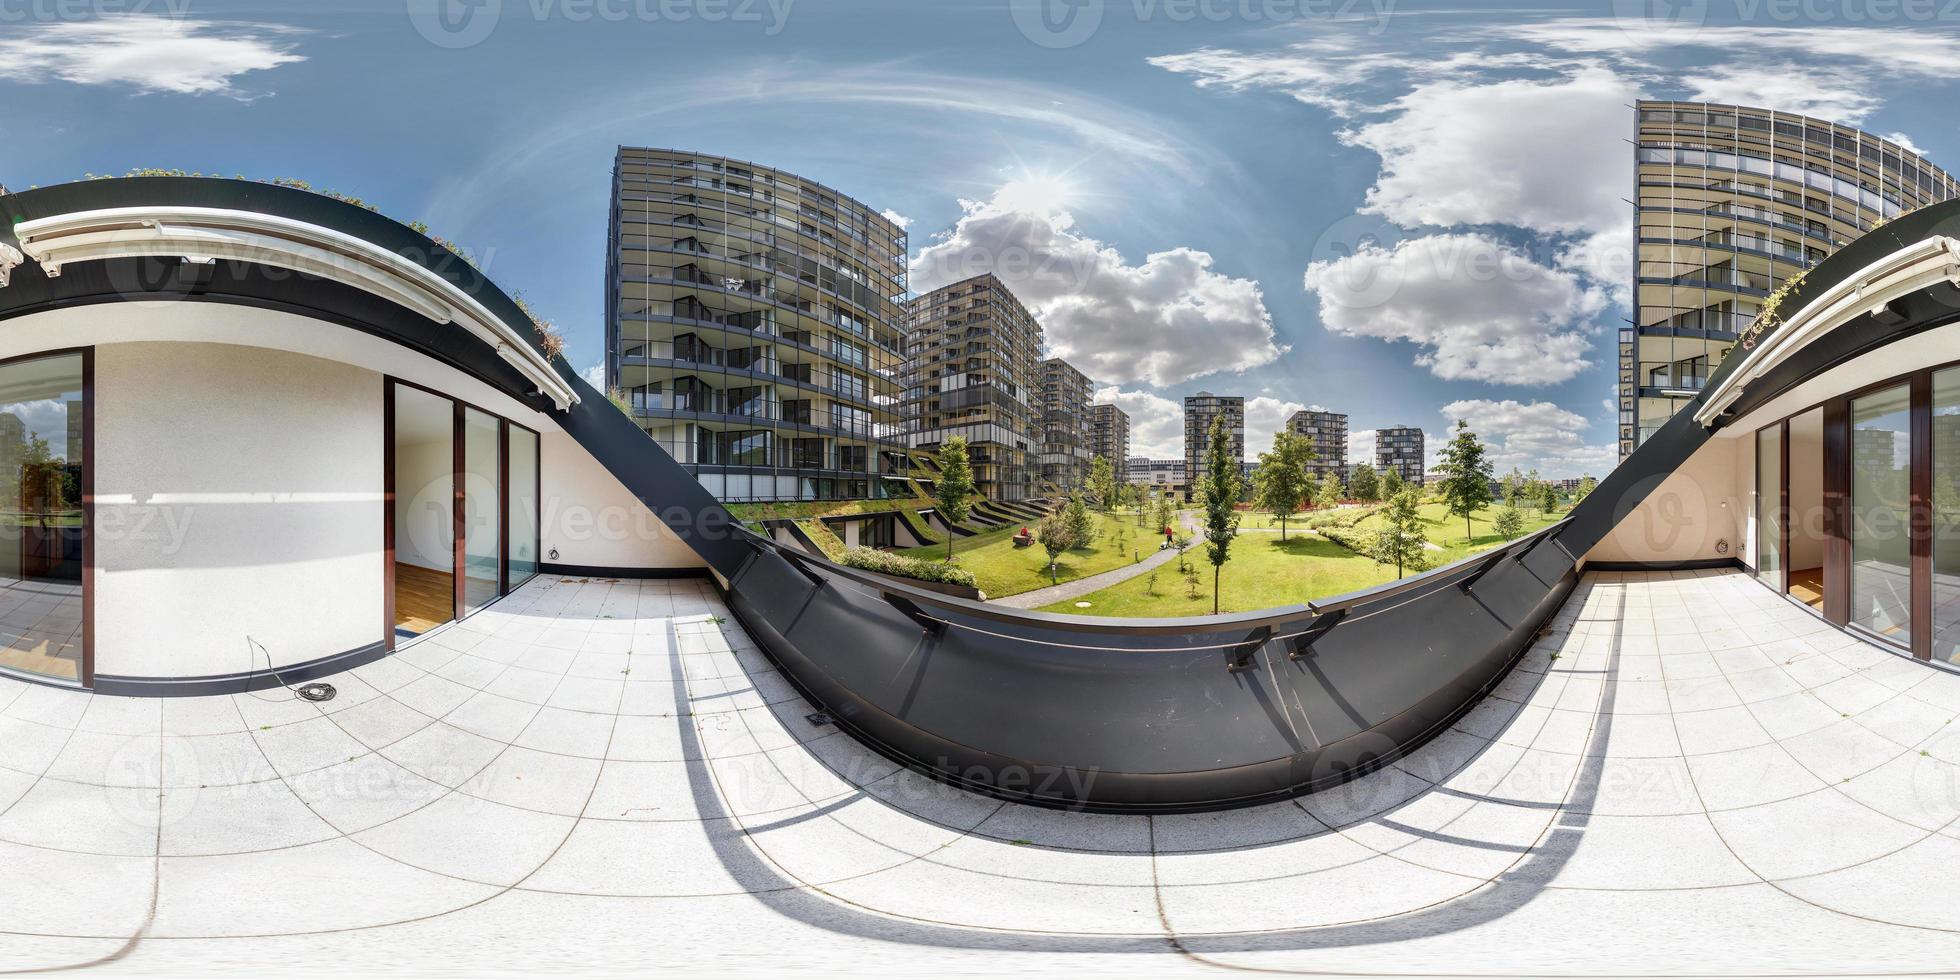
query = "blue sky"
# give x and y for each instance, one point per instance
(1405, 211)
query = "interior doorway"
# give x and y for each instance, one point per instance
(423, 491)
(1805, 511)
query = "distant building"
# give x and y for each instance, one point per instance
(972, 369)
(1327, 433)
(1155, 472)
(1399, 448)
(1109, 435)
(1199, 410)
(1064, 424)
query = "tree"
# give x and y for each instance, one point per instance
(1280, 482)
(1328, 493)
(1514, 487)
(1391, 483)
(1102, 483)
(954, 488)
(1399, 539)
(1080, 525)
(1220, 487)
(1364, 484)
(1509, 522)
(1586, 487)
(1466, 476)
(1548, 496)
(1056, 537)
(1166, 514)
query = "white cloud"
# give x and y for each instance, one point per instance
(1479, 309)
(1905, 142)
(1505, 152)
(1156, 422)
(1809, 90)
(1265, 416)
(595, 375)
(148, 54)
(1361, 446)
(1822, 70)
(1534, 435)
(904, 223)
(1164, 321)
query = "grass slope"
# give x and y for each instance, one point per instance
(1003, 570)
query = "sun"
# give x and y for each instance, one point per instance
(1038, 193)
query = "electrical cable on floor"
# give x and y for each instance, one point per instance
(315, 692)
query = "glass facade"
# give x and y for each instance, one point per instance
(523, 505)
(1731, 202)
(1769, 506)
(1881, 502)
(1946, 515)
(464, 526)
(42, 459)
(1065, 425)
(754, 326)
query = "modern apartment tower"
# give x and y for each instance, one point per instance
(1199, 410)
(1399, 448)
(1109, 436)
(1731, 202)
(1064, 424)
(754, 326)
(1327, 433)
(973, 369)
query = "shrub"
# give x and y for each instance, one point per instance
(1342, 518)
(888, 563)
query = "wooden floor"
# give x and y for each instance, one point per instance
(1807, 586)
(424, 598)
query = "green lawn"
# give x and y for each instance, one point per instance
(1264, 572)
(1447, 531)
(1004, 570)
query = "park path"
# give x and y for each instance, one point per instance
(1100, 580)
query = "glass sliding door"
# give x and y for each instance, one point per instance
(463, 519)
(523, 521)
(1769, 506)
(483, 509)
(423, 445)
(1946, 515)
(1881, 502)
(43, 526)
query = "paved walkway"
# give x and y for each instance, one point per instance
(1686, 775)
(1101, 580)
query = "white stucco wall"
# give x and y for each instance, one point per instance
(1689, 511)
(238, 493)
(591, 518)
(239, 456)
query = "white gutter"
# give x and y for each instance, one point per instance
(9, 258)
(1923, 264)
(206, 235)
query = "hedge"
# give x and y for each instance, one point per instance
(889, 563)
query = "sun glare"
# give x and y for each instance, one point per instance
(1038, 193)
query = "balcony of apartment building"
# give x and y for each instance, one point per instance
(814, 223)
(688, 279)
